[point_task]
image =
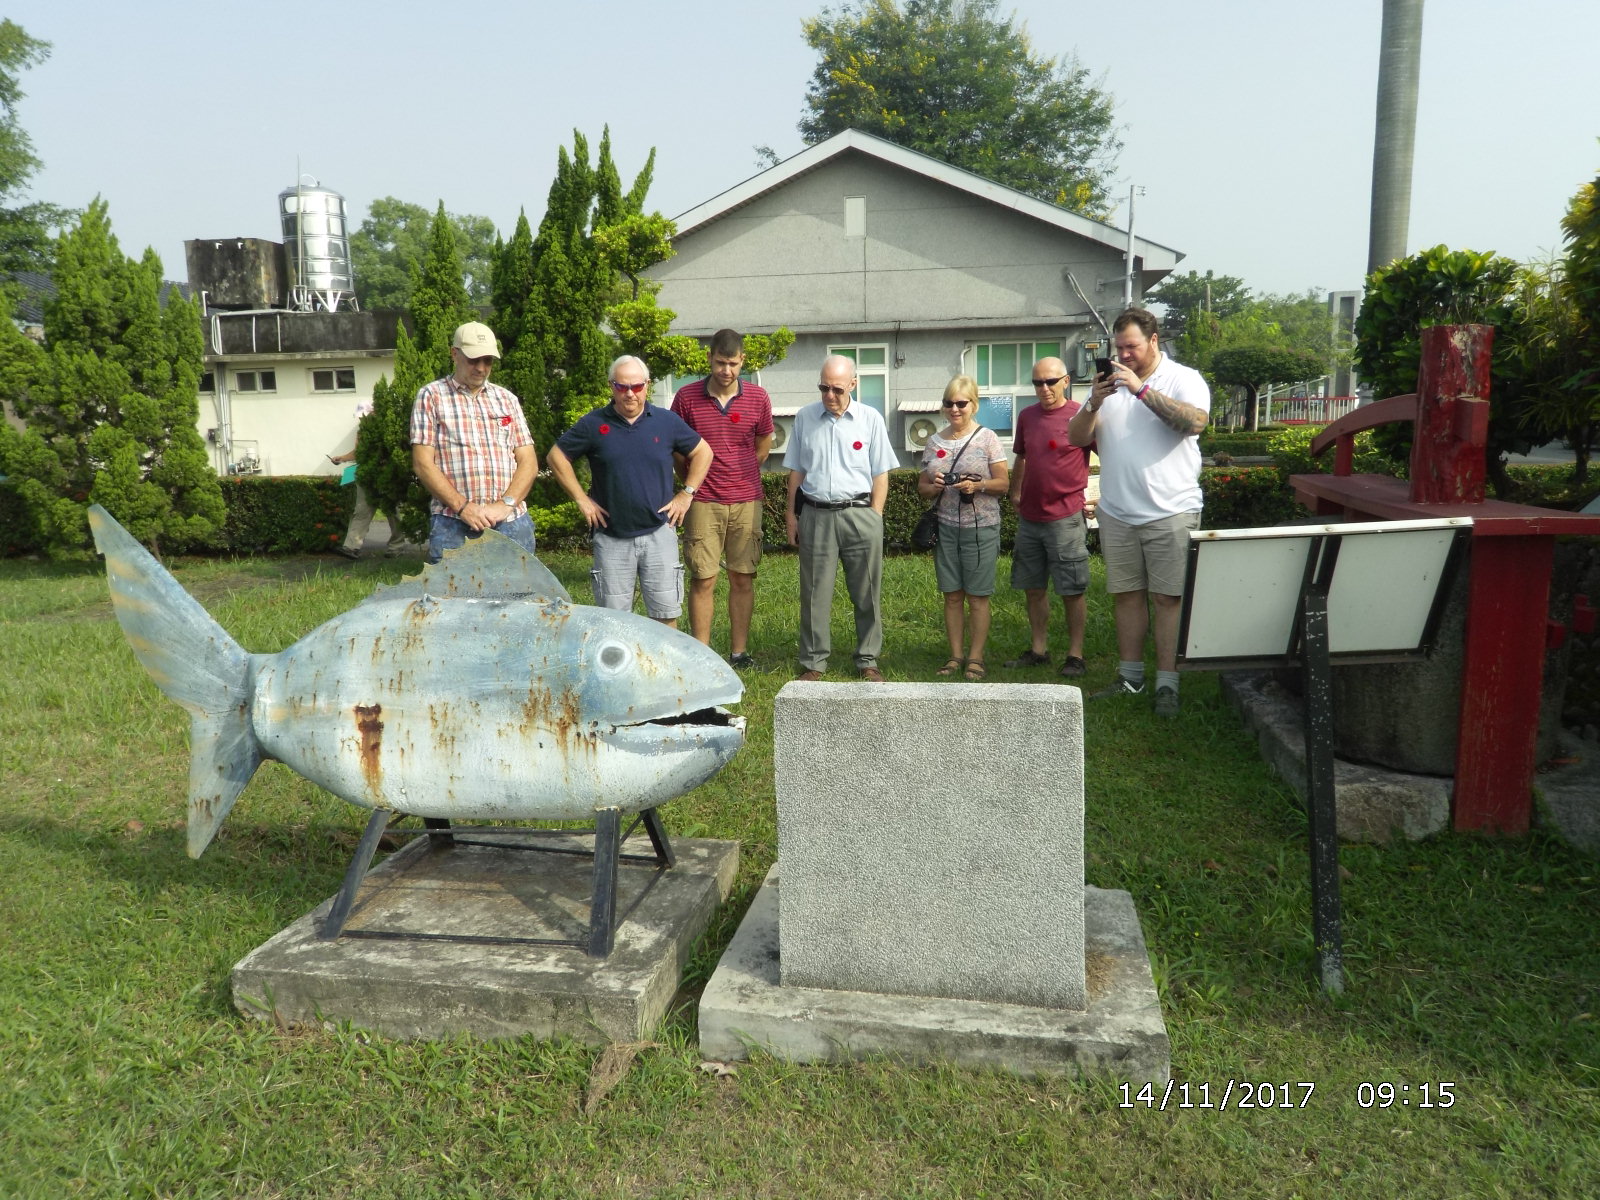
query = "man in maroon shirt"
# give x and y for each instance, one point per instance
(724, 522)
(1047, 484)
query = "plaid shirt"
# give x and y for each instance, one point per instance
(473, 438)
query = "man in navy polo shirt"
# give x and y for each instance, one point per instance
(632, 508)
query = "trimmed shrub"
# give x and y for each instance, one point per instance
(19, 533)
(1246, 498)
(285, 514)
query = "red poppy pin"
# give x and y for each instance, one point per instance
(505, 420)
(938, 453)
(734, 417)
(856, 446)
(604, 429)
(1052, 443)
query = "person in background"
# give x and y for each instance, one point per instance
(1145, 417)
(471, 449)
(1047, 488)
(964, 468)
(632, 507)
(724, 522)
(839, 462)
(355, 534)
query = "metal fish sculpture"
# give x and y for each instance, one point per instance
(476, 690)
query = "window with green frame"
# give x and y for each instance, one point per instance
(1007, 366)
(872, 373)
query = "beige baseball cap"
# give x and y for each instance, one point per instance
(475, 339)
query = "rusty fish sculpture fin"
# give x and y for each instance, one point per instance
(194, 662)
(489, 567)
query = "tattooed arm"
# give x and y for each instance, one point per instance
(1175, 414)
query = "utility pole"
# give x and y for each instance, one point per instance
(1127, 277)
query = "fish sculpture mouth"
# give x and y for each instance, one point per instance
(713, 726)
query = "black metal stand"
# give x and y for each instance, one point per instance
(1320, 805)
(442, 834)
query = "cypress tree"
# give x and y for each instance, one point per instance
(111, 404)
(383, 444)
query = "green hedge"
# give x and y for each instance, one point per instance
(285, 514)
(1241, 445)
(17, 533)
(309, 514)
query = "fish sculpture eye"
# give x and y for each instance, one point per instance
(614, 658)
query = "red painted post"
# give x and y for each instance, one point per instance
(1451, 430)
(1501, 673)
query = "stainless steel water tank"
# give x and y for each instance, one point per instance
(316, 242)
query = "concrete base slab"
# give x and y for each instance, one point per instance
(1121, 1033)
(1373, 803)
(1569, 795)
(431, 988)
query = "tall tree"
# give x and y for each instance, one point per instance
(438, 303)
(559, 318)
(387, 250)
(956, 80)
(1394, 138)
(24, 228)
(111, 402)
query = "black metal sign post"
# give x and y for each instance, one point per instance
(1272, 598)
(1320, 808)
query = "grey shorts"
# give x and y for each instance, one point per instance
(1051, 551)
(651, 559)
(964, 560)
(1147, 558)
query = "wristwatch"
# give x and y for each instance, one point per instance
(689, 489)
(508, 501)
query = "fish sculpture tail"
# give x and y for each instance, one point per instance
(195, 663)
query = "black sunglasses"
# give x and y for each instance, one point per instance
(1048, 382)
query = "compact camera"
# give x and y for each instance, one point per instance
(951, 479)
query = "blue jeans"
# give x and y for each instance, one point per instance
(447, 533)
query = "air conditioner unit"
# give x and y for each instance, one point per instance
(919, 430)
(782, 427)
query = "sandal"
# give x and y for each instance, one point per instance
(951, 666)
(976, 670)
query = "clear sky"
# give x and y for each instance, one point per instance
(1248, 124)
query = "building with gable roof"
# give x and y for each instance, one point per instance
(916, 269)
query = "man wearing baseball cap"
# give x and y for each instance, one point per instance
(471, 449)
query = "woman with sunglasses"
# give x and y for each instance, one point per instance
(964, 467)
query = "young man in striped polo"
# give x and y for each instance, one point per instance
(724, 522)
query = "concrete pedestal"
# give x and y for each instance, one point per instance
(433, 988)
(1121, 1032)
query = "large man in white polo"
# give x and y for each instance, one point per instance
(839, 461)
(1144, 417)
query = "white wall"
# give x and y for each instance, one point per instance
(293, 428)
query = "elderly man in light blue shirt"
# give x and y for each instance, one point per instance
(839, 461)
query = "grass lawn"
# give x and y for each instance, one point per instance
(128, 1073)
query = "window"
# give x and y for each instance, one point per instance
(669, 384)
(1006, 366)
(208, 381)
(1004, 371)
(333, 379)
(255, 381)
(855, 216)
(872, 373)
